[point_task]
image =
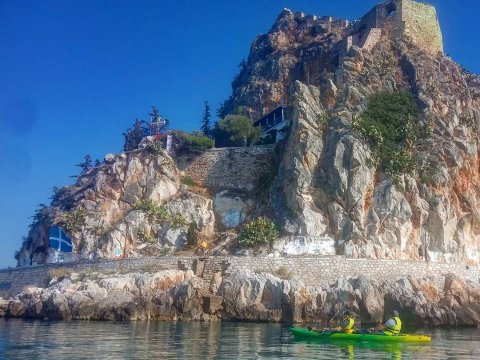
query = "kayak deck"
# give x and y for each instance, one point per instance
(325, 335)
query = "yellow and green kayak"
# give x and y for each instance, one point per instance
(332, 335)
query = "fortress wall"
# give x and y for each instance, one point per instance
(420, 24)
(239, 168)
(401, 19)
(310, 270)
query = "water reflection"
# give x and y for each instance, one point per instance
(21, 339)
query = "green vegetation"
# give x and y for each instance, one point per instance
(157, 213)
(192, 235)
(41, 214)
(390, 126)
(258, 232)
(155, 148)
(59, 273)
(135, 134)
(177, 221)
(152, 268)
(86, 164)
(283, 273)
(188, 181)
(206, 129)
(195, 143)
(235, 130)
(145, 236)
(75, 220)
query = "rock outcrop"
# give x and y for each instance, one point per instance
(247, 295)
(325, 187)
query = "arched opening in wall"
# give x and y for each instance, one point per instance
(391, 9)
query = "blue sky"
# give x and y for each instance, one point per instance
(75, 74)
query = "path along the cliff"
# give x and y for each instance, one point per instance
(245, 288)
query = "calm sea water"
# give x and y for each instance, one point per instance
(21, 339)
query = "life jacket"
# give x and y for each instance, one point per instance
(396, 329)
(349, 327)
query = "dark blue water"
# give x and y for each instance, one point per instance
(20, 339)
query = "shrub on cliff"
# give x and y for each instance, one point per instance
(235, 130)
(156, 213)
(258, 232)
(390, 125)
(194, 143)
(75, 220)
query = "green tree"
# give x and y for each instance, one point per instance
(221, 111)
(235, 130)
(135, 134)
(206, 129)
(86, 164)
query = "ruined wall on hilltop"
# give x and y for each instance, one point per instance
(400, 20)
(420, 24)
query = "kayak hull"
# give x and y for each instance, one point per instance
(328, 335)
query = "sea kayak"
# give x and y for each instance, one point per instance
(332, 335)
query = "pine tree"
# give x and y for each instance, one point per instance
(97, 163)
(134, 135)
(206, 129)
(221, 111)
(86, 164)
(154, 113)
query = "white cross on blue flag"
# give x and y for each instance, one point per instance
(59, 241)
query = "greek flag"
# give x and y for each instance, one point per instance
(59, 241)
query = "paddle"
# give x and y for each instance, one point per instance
(309, 328)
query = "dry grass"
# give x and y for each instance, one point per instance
(59, 273)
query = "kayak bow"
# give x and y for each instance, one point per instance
(327, 335)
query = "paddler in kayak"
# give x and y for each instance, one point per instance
(392, 326)
(347, 323)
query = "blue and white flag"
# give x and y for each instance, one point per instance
(59, 241)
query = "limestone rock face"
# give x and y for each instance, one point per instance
(109, 224)
(327, 186)
(324, 190)
(248, 295)
(260, 296)
(164, 295)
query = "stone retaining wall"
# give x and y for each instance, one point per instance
(239, 168)
(310, 270)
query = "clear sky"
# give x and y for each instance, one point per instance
(74, 74)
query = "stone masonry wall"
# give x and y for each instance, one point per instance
(238, 168)
(310, 270)
(421, 25)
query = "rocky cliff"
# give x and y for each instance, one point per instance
(324, 185)
(327, 185)
(246, 295)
